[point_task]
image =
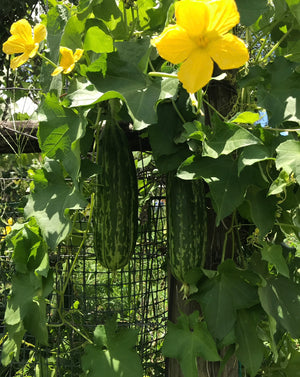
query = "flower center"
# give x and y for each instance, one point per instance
(202, 41)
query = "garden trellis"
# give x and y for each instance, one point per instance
(135, 295)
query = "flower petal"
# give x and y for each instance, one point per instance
(196, 71)
(57, 71)
(224, 15)
(228, 52)
(40, 33)
(67, 58)
(34, 50)
(69, 69)
(78, 54)
(192, 16)
(174, 44)
(14, 45)
(23, 30)
(19, 60)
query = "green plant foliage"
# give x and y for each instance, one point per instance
(188, 339)
(112, 353)
(50, 202)
(279, 298)
(227, 189)
(31, 284)
(250, 348)
(251, 10)
(280, 100)
(221, 297)
(240, 134)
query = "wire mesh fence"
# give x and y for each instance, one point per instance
(135, 295)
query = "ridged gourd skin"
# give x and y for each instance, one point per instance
(116, 199)
(187, 225)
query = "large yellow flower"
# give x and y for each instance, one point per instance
(22, 41)
(67, 61)
(200, 37)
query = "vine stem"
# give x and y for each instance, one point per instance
(264, 60)
(77, 330)
(162, 74)
(178, 112)
(80, 246)
(230, 230)
(214, 109)
(47, 60)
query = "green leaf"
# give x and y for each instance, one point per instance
(109, 12)
(125, 79)
(221, 296)
(73, 30)
(294, 6)
(12, 345)
(292, 48)
(156, 15)
(252, 154)
(225, 138)
(59, 133)
(288, 157)
(226, 188)
(280, 184)
(278, 89)
(167, 154)
(50, 203)
(292, 368)
(263, 209)
(273, 255)
(97, 40)
(280, 298)
(188, 339)
(30, 251)
(85, 7)
(250, 351)
(250, 10)
(113, 353)
(247, 117)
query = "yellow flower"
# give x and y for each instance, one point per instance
(7, 229)
(10, 222)
(67, 61)
(200, 37)
(22, 41)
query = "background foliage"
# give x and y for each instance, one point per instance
(248, 155)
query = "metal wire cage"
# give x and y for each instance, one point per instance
(136, 295)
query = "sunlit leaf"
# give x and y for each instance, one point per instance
(113, 353)
(97, 40)
(280, 298)
(60, 131)
(252, 154)
(288, 158)
(245, 117)
(188, 339)
(50, 204)
(124, 79)
(273, 255)
(225, 138)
